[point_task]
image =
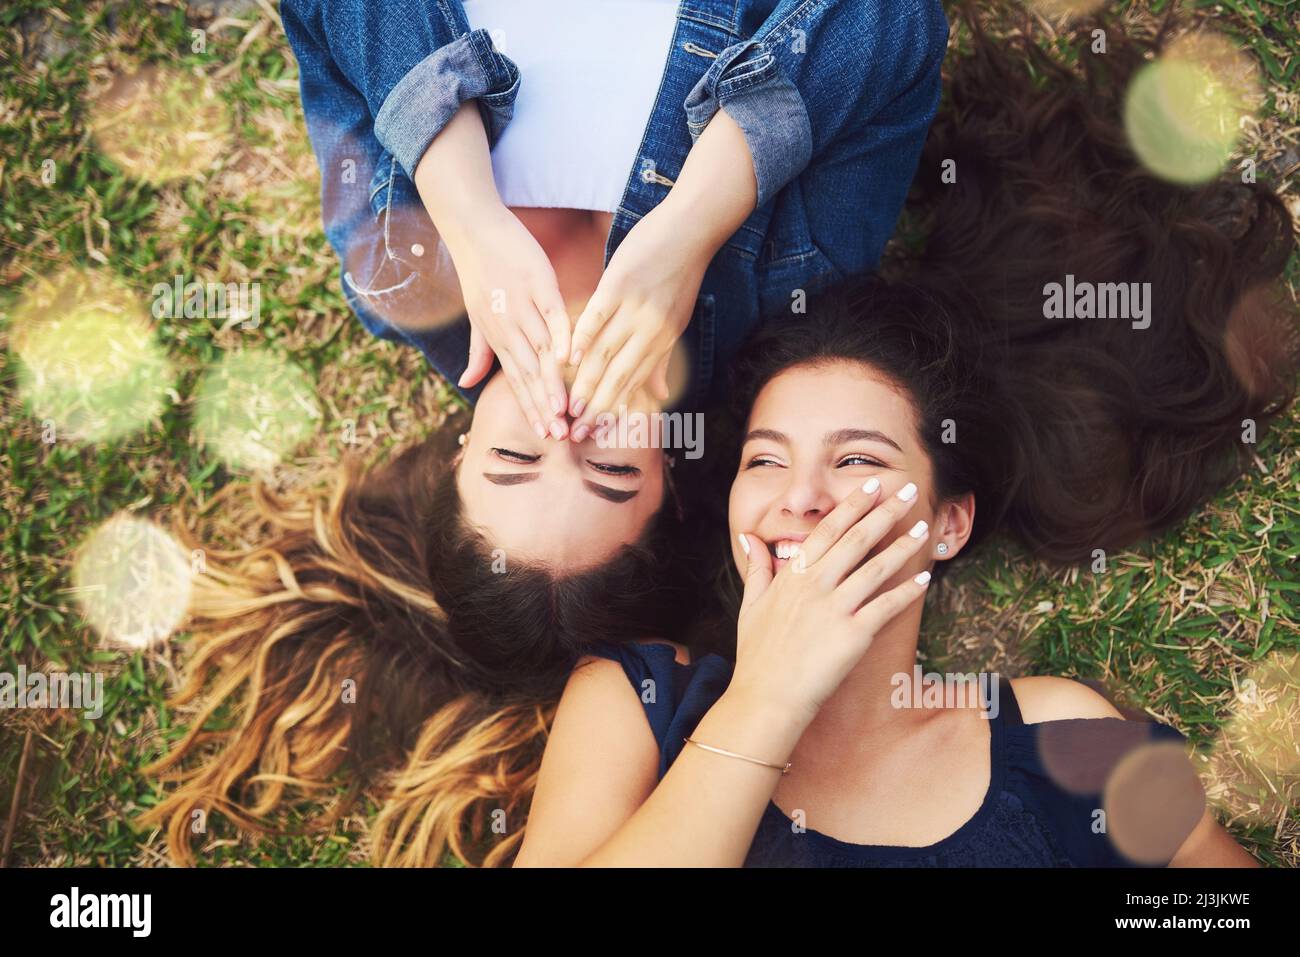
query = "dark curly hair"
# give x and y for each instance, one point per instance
(1074, 434)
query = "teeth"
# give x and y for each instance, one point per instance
(787, 549)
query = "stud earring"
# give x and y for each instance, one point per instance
(942, 548)
(460, 440)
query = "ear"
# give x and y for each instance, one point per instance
(953, 524)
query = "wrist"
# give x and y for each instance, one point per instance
(689, 235)
(752, 723)
(463, 226)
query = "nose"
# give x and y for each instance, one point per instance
(806, 496)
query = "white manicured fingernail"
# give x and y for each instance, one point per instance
(744, 542)
(907, 492)
(870, 485)
(918, 529)
(922, 579)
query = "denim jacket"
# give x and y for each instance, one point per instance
(834, 98)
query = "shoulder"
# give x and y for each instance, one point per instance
(1048, 698)
(618, 672)
(1118, 792)
(603, 687)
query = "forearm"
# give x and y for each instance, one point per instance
(716, 190)
(705, 811)
(454, 177)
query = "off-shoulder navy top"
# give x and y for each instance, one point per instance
(1050, 783)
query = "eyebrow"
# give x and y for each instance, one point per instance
(832, 438)
(617, 496)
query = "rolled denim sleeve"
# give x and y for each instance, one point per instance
(371, 215)
(414, 62)
(431, 92)
(814, 71)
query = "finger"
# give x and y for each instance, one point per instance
(523, 395)
(634, 399)
(626, 406)
(550, 305)
(620, 379)
(594, 362)
(854, 545)
(480, 359)
(839, 520)
(596, 314)
(550, 381)
(758, 570)
(640, 383)
(553, 385)
(883, 609)
(529, 321)
(529, 364)
(863, 584)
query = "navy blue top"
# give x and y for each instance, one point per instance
(1044, 800)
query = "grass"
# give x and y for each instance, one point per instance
(1197, 628)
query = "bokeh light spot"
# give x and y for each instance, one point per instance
(1065, 8)
(1255, 763)
(253, 409)
(1183, 112)
(132, 582)
(88, 358)
(160, 124)
(1153, 800)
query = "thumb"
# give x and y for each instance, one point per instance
(480, 360)
(758, 573)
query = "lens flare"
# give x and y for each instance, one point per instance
(1079, 759)
(1183, 113)
(399, 270)
(132, 582)
(1153, 800)
(160, 124)
(1256, 762)
(679, 374)
(1065, 8)
(253, 409)
(88, 361)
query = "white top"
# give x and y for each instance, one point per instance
(590, 70)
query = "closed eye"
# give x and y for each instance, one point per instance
(629, 470)
(517, 457)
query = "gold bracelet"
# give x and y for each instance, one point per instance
(732, 754)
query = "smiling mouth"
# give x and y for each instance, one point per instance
(784, 549)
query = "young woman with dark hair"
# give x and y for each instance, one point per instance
(883, 435)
